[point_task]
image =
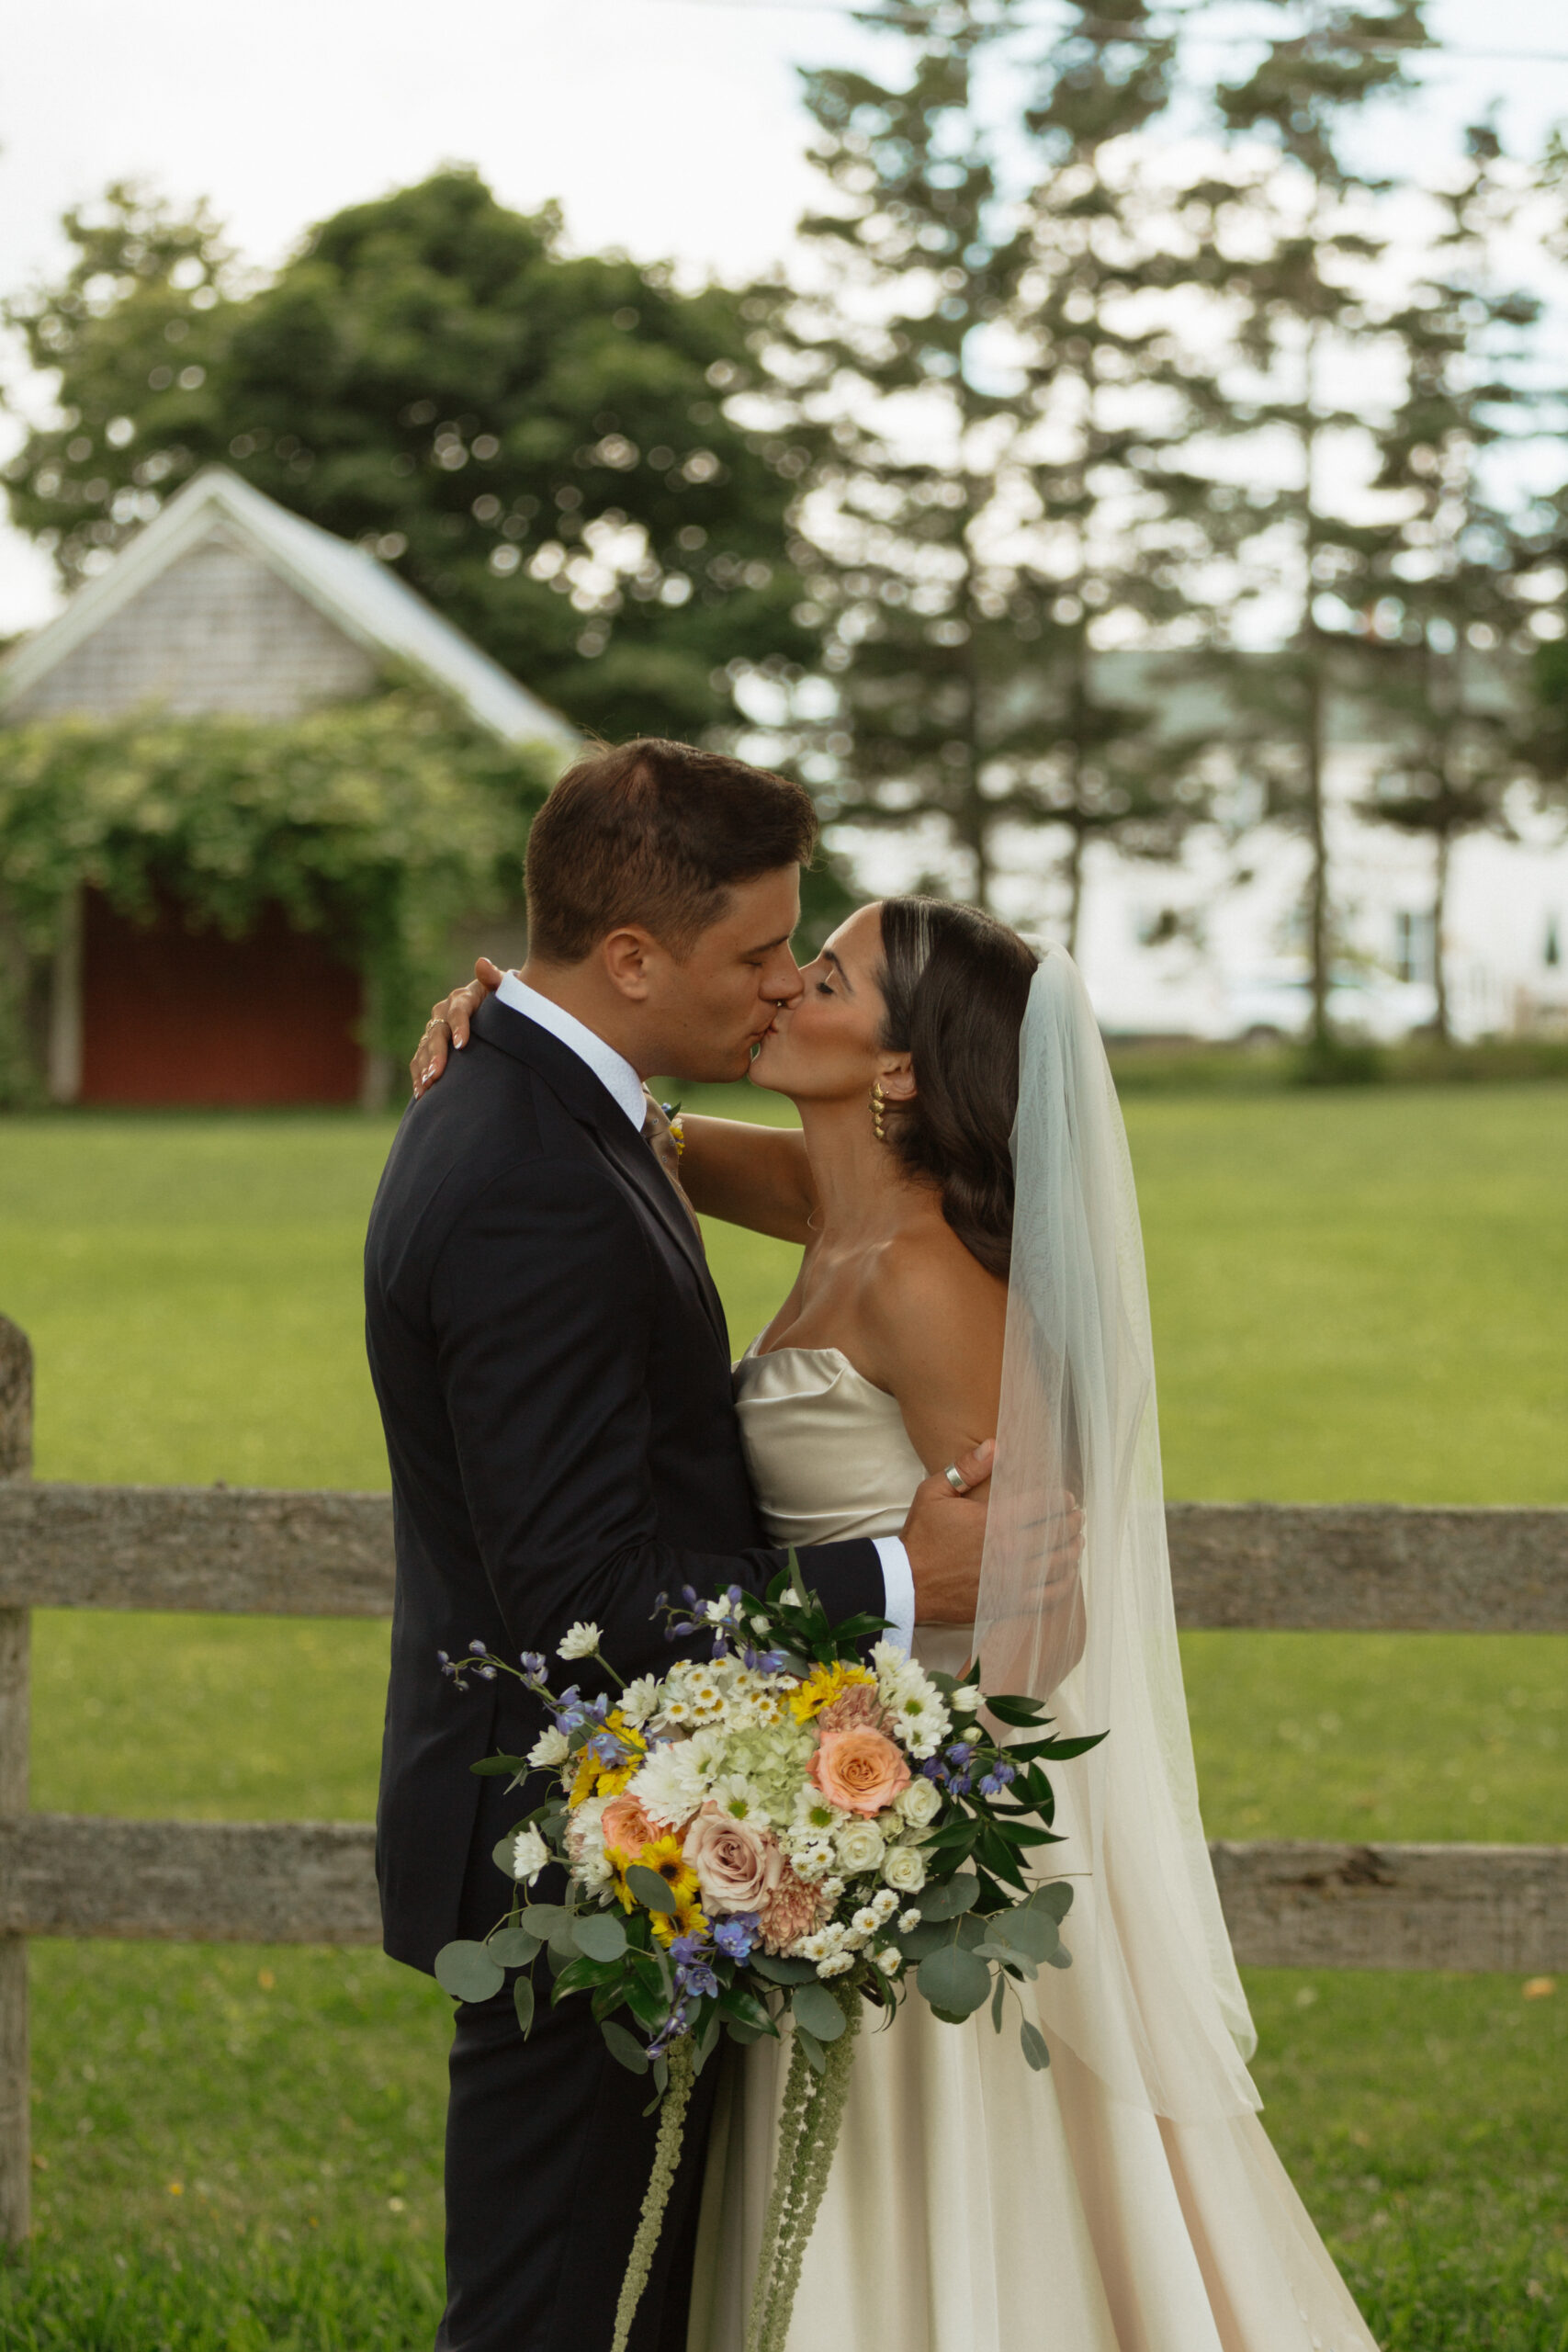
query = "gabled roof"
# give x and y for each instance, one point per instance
(348, 586)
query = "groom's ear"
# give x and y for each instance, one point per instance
(625, 956)
(897, 1079)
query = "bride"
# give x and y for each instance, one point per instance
(971, 1262)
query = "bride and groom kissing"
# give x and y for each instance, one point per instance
(568, 1440)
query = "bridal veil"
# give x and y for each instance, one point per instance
(1153, 2004)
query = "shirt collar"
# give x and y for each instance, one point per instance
(612, 1070)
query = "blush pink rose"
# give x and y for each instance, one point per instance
(627, 1825)
(857, 1705)
(861, 1770)
(790, 1912)
(738, 1867)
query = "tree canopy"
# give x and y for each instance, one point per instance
(543, 444)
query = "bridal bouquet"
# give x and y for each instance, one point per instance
(775, 1829)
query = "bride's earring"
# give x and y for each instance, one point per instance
(878, 1106)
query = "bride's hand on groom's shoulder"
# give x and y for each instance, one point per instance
(945, 1536)
(448, 1024)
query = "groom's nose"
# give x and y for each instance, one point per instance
(781, 982)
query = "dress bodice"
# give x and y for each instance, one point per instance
(830, 1459)
(829, 1453)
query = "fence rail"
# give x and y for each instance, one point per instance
(1352, 1567)
(264, 1551)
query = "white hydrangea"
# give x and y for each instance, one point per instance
(529, 1856)
(581, 1640)
(861, 1846)
(919, 1803)
(552, 1747)
(905, 1870)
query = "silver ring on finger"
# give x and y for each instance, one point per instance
(959, 1486)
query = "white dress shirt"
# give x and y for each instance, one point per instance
(624, 1086)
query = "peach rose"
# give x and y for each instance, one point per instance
(861, 1770)
(627, 1825)
(738, 1867)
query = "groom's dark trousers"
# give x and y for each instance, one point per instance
(551, 1363)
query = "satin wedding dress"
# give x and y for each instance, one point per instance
(975, 2206)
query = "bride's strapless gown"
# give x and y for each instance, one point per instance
(973, 2205)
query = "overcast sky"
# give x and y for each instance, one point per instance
(667, 127)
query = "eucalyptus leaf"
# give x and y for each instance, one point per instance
(782, 1972)
(955, 1980)
(625, 2047)
(1056, 1898)
(523, 2000)
(949, 1896)
(816, 2009)
(501, 1851)
(742, 2035)
(1035, 2047)
(512, 1947)
(1028, 1928)
(1009, 1956)
(601, 1935)
(651, 1890)
(466, 1971)
(563, 1938)
(1060, 1958)
(998, 1999)
(815, 2056)
(542, 1919)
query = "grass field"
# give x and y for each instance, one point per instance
(1362, 1294)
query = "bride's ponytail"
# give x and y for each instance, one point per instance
(956, 984)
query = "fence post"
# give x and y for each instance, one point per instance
(16, 2112)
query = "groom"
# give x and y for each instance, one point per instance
(553, 1371)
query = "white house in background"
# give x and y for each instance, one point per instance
(1212, 946)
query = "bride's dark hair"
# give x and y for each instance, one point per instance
(955, 983)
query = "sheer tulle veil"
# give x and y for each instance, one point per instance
(1151, 2003)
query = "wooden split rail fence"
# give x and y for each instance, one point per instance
(266, 1553)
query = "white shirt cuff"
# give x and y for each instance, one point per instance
(898, 1590)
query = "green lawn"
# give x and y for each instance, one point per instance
(1361, 1295)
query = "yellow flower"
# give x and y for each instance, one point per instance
(664, 1855)
(689, 1919)
(597, 1780)
(822, 1686)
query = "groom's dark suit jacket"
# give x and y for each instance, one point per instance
(550, 1359)
(553, 1373)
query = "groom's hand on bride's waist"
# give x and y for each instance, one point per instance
(945, 1536)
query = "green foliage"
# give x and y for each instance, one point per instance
(545, 446)
(375, 823)
(989, 492)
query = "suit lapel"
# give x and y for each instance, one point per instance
(591, 1103)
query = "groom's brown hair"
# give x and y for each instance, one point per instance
(655, 834)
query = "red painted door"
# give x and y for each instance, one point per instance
(176, 1016)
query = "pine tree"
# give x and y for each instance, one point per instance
(1302, 243)
(992, 496)
(1450, 608)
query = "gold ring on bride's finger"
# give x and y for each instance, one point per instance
(959, 1486)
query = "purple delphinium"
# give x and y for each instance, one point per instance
(738, 1937)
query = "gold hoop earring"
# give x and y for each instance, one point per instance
(878, 1107)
